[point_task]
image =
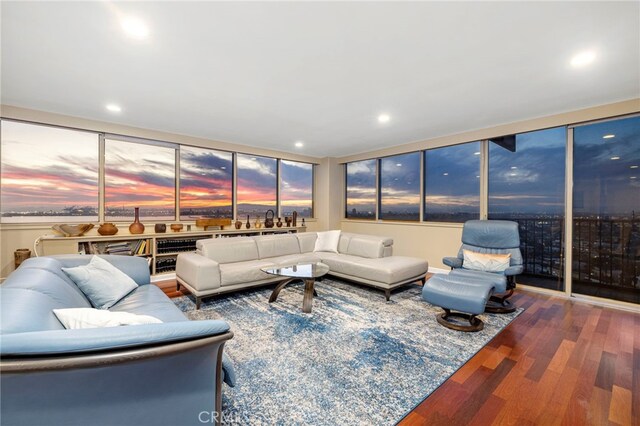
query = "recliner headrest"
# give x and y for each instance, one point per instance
(498, 234)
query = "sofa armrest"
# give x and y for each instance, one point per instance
(513, 270)
(56, 342)
(454, 262)
(198, 271)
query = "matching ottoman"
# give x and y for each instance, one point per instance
(466, 295)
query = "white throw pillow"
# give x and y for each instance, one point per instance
(488, 262)
(327, 241)
(94, 318)
(102, 283)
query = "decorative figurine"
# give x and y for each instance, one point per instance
(287, 219)
(279, 222)
(238, 224)
(257, 224)
(303, 224)
(295, 218)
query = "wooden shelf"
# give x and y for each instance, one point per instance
(160, 263)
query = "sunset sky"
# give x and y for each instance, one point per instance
(206, 178)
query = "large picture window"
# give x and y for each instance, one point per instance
(526, 185)
(139, 175)
(256, 185)
(400, 187)
(452, 183)
(296, 188)
(48, 174)
(606, 209)
(206, 180)
(361, 189)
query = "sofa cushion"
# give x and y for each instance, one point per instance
(277, 245)
(307, 241)
(74, 318)
(365, 247)
(387, 270)
(150, 300)
(488, 262)
(47, 282)
(23, 310)
(327, 241)
(228, 250)
(295, 259)
(102, 283)
(244, 272)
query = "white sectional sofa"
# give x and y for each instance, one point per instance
(222, 265)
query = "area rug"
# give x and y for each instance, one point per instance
(356, 359)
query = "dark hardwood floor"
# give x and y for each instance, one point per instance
(560, 362)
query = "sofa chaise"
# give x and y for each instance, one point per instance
(151, 374)
(222, 265)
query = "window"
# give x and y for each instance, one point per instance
(361, 189)
(296, 188)
(206, 180)
(400, 187)
(526, 185)
(452, 183)
(48, 174)
(256, 186)
(139, 175)
(606, 210)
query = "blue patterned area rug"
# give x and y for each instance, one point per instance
(355, 359)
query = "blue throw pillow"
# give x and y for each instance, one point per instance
(102, 283)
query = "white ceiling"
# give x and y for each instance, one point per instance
(267, 74)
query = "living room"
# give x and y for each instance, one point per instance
(371, 138)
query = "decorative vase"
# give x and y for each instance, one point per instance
(248, 224)
(238, 224)
(136, 227)
(279, 222)
(268, 218)
(20, 255)
(295, 218)
(257, 224)
(303, 224)
(108, 229)
(160, 228)
(287, 219)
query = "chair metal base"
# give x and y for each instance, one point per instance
(475, 323)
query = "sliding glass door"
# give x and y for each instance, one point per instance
(606, 210)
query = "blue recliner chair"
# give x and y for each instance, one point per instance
(493, 237)
(465, 293)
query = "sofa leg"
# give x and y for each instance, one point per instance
(387, 294)
(198, 300)
(423, 280)
(177, 286)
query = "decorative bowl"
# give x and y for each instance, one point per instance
(73, 230)
(176, 227)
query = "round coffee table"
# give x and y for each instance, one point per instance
(307, 272)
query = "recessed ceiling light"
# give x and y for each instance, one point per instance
(608, 136)
(476, 153)
(113, 108)
(399, 164)
(583, 58)
(299, 144)
(134, 27)
(384, 118)
(633, 167)
(615, 158)
(445, 174)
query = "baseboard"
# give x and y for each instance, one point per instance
(438, 270)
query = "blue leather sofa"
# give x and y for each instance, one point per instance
(151, 374)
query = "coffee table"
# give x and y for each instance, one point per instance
(307, 272)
